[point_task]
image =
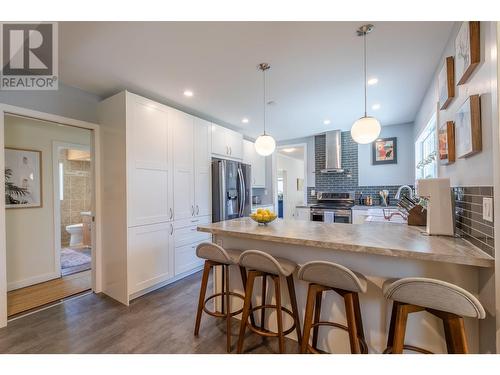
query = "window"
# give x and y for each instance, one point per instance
(426, 165)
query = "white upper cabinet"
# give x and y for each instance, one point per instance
(226, 143)
(257, 162)
(183, 135)
(149, 162)
(202, 168)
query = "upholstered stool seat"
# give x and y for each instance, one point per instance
(215, 255)
(261, 264)
(324, 276)
(447, 301)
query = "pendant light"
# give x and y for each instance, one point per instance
(265, 144)
(367, 128)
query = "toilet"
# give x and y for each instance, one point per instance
(76, 233)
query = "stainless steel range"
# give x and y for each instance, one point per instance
(333, 207)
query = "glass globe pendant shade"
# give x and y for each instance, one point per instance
(365, 130)
(265, 145)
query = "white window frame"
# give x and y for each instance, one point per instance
(426, 150)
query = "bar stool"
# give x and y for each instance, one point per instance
(215, 255)
(261, 264)
(447, 301)
(325, 276)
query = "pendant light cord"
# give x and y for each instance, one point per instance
(264, 73)
(364, 42)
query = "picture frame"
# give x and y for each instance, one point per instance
(23, 178)
(446, 137)
(446, 83)
(385, 151)
(467, 51)
(468, 135)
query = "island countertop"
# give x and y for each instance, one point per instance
(385, 239)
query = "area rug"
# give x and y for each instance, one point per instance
(75, 260)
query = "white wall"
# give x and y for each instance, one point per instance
(30, 231)
(476, 170)
(68, 101)
(402, 173)
(294, 169)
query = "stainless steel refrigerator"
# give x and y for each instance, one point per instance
(231, 190)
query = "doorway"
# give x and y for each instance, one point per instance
(38, 227)
(290, 184)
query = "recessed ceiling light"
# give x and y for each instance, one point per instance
(326, 122)
(373, 81)
(376, 106)
(244, 120)
(188, 93)
(289, 149)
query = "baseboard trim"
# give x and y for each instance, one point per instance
(13, 285)
(164, 283)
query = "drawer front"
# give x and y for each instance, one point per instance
(186, 259)
(189, 235)
(192, 221)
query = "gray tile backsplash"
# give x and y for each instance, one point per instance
(469, 220)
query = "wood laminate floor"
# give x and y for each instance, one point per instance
(25, 299)
(159, 322)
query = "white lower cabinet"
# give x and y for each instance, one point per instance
(186, 238)
(303, 213)
(150, 255)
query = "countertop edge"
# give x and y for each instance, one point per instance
(397, 253)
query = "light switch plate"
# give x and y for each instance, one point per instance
(488, 209)
(313, 193)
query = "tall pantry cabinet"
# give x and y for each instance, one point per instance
(151, 194)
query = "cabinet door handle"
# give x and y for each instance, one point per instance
(192, 210)
(171, 229)
(230, 150)
(197, 210)
(171, 213)
(227, 150)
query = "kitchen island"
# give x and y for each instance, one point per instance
(379, 251)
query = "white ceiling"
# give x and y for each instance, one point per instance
(316, 68)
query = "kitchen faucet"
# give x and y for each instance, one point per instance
(398, 193)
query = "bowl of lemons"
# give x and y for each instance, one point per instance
(263, 216)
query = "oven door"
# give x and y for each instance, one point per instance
(317, 215)
(343, 216)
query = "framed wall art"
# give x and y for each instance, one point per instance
(384, 151)
(467, 51)
(468, 137)
(447, 143)
(446, 83)
(23, 178)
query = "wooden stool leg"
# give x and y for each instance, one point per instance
(223, 283)
(203, 291)
(457, 335)
(399, 329)
(243, 273)
(263, 311)
(317, 315)
(246, 308)
(281, 337)
(351, 323)
(295, 309)
(392, 325)
(228, 309)
(359, 319)
(308, 317)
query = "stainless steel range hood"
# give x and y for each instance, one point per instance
(333, 151)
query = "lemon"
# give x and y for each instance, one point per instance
(260, 211)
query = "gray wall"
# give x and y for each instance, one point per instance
(402, 173)
(68, 101)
